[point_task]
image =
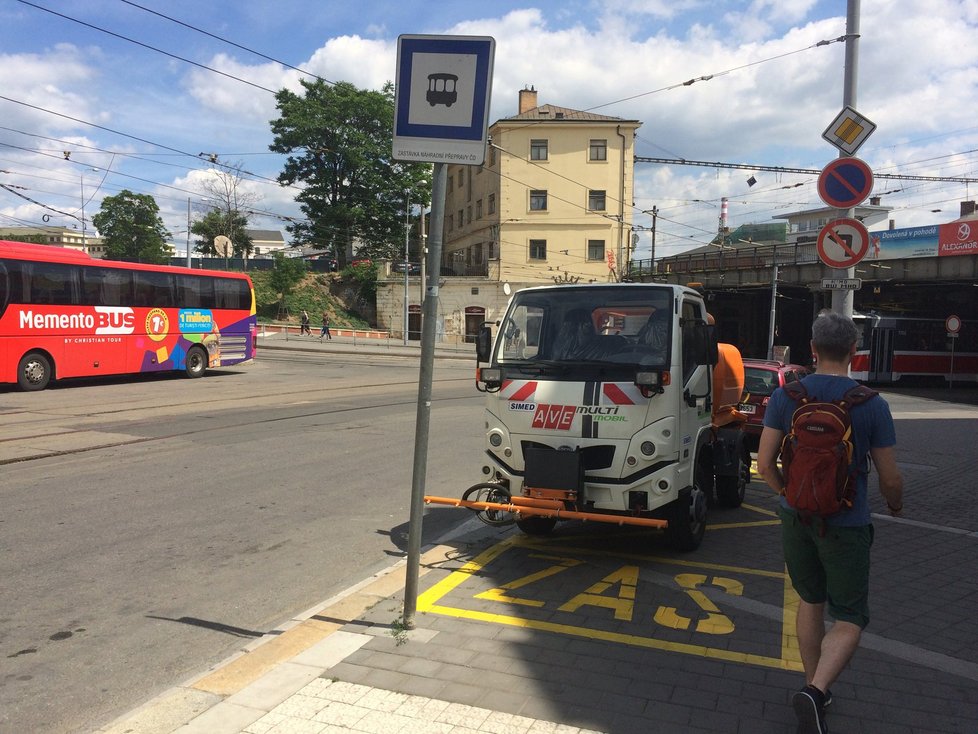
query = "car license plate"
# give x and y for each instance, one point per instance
(747, 408)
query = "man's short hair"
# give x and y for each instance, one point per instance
(833, 335)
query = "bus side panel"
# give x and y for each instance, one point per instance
(170, 334)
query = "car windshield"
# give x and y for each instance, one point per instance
(554, 328)
(760, 381)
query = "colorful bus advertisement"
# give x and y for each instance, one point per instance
(64, 314)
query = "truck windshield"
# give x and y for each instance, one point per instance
(620, 325)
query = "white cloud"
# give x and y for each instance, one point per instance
(771, 93)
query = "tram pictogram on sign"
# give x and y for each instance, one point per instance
(845, 183)
(842, 243)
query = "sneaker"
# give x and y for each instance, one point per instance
(809, 705)
(828, 700)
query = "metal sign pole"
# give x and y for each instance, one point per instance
(428, 326)
(842, 300)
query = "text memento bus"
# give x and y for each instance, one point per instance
(65, 314)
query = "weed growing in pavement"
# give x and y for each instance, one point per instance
(399, 632)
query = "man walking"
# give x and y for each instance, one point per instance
(324, 332)
(829, 563)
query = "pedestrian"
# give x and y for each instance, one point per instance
(325, 330)
(304, 324)
(829, 564)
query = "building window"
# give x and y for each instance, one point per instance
(538, 201)
(468, 215)
(492, 203)
(596, 201)
(451, 222)
(478, 209)
(598, 150)
(461, 218)
(538, 150)
(538, 249)
(461, 180)
(451, 180)
(595, 249)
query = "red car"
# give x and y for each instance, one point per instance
(761, 378)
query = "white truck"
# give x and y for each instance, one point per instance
(609, 403)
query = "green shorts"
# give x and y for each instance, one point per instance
(833, 568)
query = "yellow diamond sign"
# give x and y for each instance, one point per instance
(849, 130)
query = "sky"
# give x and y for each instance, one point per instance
(146, 91)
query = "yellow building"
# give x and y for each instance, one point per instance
(551, 204)
(553, 200)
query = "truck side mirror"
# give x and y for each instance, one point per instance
(483, 344)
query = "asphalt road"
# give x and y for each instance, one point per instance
(163, 522)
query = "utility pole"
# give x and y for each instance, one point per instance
(655, 214)
(189, 264)
(407, 238)
(842, 300)
(423, 257)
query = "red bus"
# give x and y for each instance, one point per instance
(893, 347)
(65, 314)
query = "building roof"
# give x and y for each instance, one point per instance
(549, 113)
(266, 235)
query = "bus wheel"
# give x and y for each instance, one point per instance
(196, 362)
(537, 525)
(34, 371)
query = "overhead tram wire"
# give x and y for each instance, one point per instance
(228, 41)
(147, 46)
(785, 169)
(142, 140)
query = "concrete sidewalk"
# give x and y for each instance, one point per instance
(281, 684)
(344, 344)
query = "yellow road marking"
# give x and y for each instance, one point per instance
(429, 602)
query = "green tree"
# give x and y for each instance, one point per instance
(131, 227)
(286, 274)
(217, 222)
(338, 139)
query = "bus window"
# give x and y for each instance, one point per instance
(232, 293)
(195, 291)
(52, 283)
(153, 289)
(106, 287)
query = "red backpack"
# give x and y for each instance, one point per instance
(816, 454)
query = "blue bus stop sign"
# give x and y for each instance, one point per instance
(441, 102)
(845, 183)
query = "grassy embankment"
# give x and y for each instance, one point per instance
(313, 294)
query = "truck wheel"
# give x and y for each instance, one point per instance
(687, 521)
(33, 372)
(196, 362)
(730, 490)
(537, 525)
